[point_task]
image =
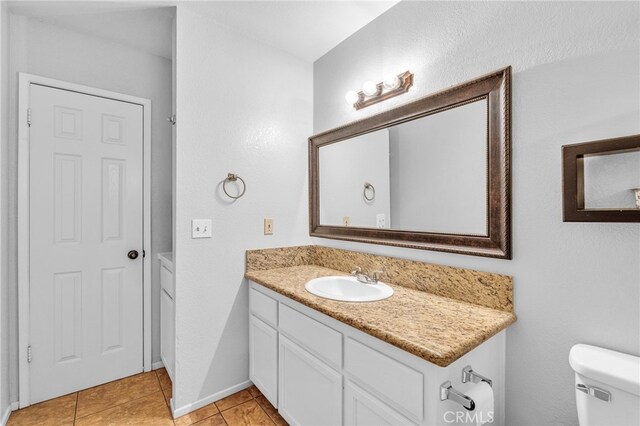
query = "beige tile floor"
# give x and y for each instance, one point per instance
(143, 400)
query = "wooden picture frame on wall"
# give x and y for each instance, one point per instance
(573, 186)
(495, 89)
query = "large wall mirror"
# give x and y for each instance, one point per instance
(432, 174)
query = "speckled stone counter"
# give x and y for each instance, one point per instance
(436, 328)
(467, 285)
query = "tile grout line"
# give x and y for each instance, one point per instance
(262, 408)
(117, 405)
(220, 412)
(253, 398)
(164, 397)
(75, 411)
(266, 412)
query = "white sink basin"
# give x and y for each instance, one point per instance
(348, 289)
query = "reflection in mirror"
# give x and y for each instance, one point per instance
(610, 180)
(428, 174)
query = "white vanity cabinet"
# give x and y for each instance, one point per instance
(263, 367)
(310, 392)
(167, 312)
(362, 408)
(319, 371)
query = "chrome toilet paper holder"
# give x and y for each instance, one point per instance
(468, 375)
(447, 390)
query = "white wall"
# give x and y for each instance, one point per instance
(4, 145)
(575, 78)
(246, 108)
(439, 172)
(343, 169)
(51, 51)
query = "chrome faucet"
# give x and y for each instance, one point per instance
(364, 277)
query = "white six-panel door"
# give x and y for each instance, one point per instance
(86, 214)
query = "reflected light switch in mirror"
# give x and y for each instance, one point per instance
(201, 228)
(381, 221)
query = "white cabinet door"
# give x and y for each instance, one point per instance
(167, 333)
(363, 409)
(310, 392)
(263, 358)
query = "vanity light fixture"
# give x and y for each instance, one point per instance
(352, 97)
(372, 93)
(369, 88)
(391, 82)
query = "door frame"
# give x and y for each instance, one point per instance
(24, 82)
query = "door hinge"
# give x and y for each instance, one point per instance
(29, 354)
(29, 117)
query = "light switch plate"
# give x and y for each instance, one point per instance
(381, 221)
(268, 226)
(201, 228)
(345, 220)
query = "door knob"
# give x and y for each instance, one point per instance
(133, 254)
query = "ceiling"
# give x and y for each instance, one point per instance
(305, 28)
(131, 24)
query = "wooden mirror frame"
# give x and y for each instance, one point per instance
(496, 88)
(573, 207)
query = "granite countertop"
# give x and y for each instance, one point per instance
(435, 328)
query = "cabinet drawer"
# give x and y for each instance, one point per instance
(263, 307)
(166, 280)
(319, 339)
(395, 383)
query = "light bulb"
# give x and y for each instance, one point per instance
(352, 97)
(369, 88)
(391, 82)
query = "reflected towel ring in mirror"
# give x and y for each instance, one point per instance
(232, 177)
(371, 189)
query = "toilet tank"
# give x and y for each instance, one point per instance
(607, 386)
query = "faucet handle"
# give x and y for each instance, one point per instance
(356, 271)
(375, 275)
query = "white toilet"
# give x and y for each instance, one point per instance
(607, 386)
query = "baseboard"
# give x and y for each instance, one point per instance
(186, 409)
(6, 414)
(157, 365)
(15, 405)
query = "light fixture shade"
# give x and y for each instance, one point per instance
(351, 97)
(391, 82)
(369, 88)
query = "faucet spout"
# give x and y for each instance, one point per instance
(364, 277)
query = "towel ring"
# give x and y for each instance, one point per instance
(232, 177)
(368, 186)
